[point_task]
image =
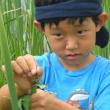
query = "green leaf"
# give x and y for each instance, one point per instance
(7, 60)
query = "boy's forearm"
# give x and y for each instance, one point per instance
(4, 98)
(5, 103)
(60, 105)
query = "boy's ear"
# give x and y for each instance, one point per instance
(102, 19)
(38, 25)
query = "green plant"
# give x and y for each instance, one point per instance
(7, 60)
(22, 37)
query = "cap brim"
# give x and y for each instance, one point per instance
(102, 37)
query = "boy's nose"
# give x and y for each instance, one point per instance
(72, 44)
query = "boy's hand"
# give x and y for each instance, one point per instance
(42, 100)
(25, 72)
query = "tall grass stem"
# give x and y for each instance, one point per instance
(7, 60)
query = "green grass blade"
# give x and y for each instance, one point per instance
(7, 60)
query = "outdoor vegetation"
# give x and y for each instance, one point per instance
(18, 36)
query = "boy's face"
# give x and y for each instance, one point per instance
(72, 42)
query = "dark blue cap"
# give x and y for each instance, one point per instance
(75, 8)
(70, 8)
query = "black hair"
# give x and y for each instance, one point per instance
(72, 20)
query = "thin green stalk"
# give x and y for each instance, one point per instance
(7, 60)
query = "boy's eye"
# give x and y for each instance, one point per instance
(58, 35)
(81, 32)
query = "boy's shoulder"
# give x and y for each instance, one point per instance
(103, 60)
(103, 64)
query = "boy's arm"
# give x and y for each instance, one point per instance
(60, 105)
(25, 70)
(46, 101)
(5, 103)
(4, 98)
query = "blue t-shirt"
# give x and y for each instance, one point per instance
(93, 78)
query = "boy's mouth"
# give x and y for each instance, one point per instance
(72, 56)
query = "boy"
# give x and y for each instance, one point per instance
(72, 28)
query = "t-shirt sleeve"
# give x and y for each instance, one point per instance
(102, 100)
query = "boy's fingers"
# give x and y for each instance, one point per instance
(16, 68)
(39, 71)
(32, 64)
(22, 64)
(39, 91)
